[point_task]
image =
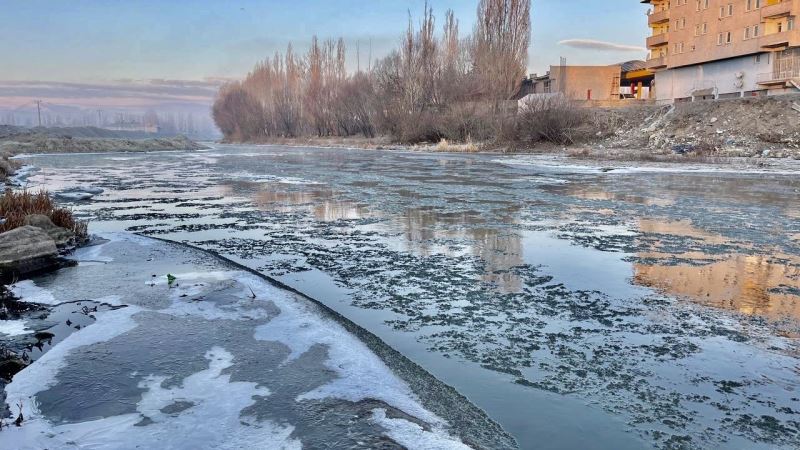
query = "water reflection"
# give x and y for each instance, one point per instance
(749, 284)
(321, 202)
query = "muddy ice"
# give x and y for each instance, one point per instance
(591, 307)
(218, 358)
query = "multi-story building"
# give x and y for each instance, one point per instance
(723, 48)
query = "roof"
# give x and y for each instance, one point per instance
(630, 66)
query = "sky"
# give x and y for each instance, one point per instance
(142, 52)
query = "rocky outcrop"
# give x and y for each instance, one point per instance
(26, 250)
(61, 236)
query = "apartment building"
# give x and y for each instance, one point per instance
(703, 49)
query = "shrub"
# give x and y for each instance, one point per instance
(554, 119)
(15, 206)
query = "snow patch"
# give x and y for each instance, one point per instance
(14, 327)
(411, 435)
(211, 398)
(361, 374)
(27, 291)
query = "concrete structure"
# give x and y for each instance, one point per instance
(592, 85)
(723, 48)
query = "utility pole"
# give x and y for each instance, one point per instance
(39, 110)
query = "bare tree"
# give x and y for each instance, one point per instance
(500, 46)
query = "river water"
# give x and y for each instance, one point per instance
(580, 307)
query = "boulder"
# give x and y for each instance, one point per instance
(26, 250)
(61, 236)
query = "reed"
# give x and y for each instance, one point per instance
(15, 206)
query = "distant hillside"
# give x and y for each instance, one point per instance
(7, 131)
(16, 140)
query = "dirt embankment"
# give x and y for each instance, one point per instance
(17, 140)
(752, 127)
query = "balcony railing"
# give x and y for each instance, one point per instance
(778, 40)
(778, 77)
(658, 62)
(780, 9)
(658, 40)
(658, 17)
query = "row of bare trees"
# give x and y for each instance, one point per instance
(437, 84)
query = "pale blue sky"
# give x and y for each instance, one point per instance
(96, 41)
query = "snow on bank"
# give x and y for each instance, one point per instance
(558, 164)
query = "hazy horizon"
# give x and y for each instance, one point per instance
(121, 56)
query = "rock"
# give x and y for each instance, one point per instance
(26, 250)
(10, 367)
(74, 196)
(85, 189)
(682, 149)
(714, 120)
(61, 236)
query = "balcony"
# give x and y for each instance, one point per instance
(658, 40)
(778, 77)
(780, 9)
(779, 41)
(658, 17)
(659, 62)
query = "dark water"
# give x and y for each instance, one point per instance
(580, 308)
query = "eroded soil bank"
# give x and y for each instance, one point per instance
(581, 306)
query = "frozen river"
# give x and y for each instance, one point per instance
(579, 307)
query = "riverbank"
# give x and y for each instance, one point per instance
(702, 132)
(18, 140)
(245, 362)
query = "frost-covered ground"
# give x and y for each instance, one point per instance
(218, 359)
(580, 306)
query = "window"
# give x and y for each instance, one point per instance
(728, 37)
(705, 27)
(756, 30)
(730, 9)
(720, 38)
(790, 24)
(747, 31)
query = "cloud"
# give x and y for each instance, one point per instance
(592, 44)
(119, 93)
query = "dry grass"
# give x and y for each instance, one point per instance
(15, 206)
(467, 147)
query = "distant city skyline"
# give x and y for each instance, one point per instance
(146, 53)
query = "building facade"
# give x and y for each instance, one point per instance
(704, 49)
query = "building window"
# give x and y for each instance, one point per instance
(705, 27)
(790, 24)
(728, 37)
(747, 33)
(756, 30)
